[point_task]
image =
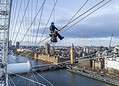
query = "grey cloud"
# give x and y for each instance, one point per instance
(102, 25)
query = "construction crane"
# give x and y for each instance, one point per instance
(5, 11)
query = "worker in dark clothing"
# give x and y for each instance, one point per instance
(54, 32)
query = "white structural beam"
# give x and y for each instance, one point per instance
(5, 11)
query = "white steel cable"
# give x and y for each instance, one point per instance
(30, 80)
(45, 79)
(12, 81)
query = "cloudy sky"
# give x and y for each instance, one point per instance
(94, 30)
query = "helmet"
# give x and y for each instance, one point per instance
(52, 23)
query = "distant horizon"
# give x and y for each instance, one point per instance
(81, 42)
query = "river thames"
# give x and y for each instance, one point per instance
(56, 77)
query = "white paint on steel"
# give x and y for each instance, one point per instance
(18, 68)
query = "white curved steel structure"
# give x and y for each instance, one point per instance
(18, 68)
(5, 11)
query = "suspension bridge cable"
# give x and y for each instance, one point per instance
(16, 21)
(30, 80)
(32, 21)
(49, 19)
(32, 35)
(39, 24)
(10, 34)
(9, 83)
(89, 14)
(79, 10)
(83, 5)
(82, 14)
(34, 76)
(76, 18)
(31, 13)
(44, 79)
(12, 81)
(30, 16)
(18, 31)
(14, 12)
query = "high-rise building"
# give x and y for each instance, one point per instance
(47, 49)
(10, 44)
(17, 45)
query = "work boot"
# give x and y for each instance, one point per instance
(61, 38)
(50, 35)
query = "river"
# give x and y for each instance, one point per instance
(57, 78)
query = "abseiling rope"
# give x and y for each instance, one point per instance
(48, 20)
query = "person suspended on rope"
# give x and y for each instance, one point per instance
(54, 33)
